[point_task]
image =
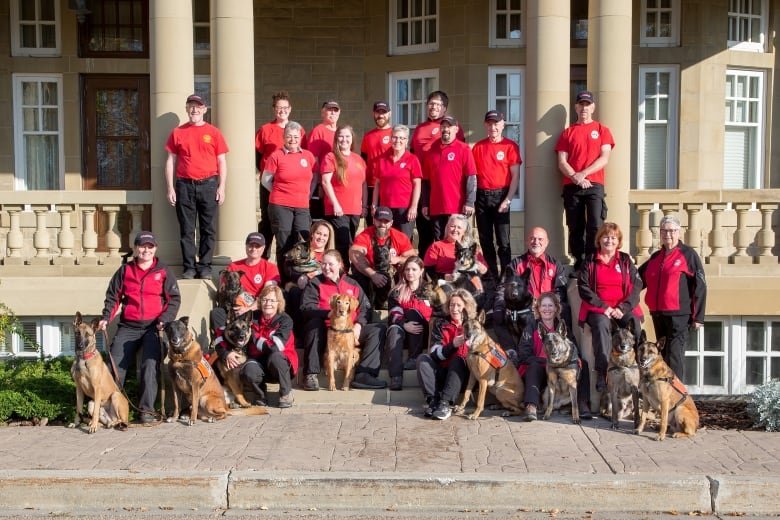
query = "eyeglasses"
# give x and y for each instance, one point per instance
(399, 138)
(434, 104)
(268, 300)
(669, 231)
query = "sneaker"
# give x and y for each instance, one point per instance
(204, 274)
(397, 383)
(530, 413)
(430, 406)
(188, 274)
(442, 412)
(312, 384)
(260, 402)
(365, 381)
(585, 413)
(601, 382)
(286, 401)
(146, 418)
(410, 363)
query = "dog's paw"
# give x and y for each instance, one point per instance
(660, 437)
(344, 388)
(170, 419)
(458, 410)
(505, 413)
(72, 425)
(473, 417)
(575, 421)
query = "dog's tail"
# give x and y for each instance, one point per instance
(255, 410)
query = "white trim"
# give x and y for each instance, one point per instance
(747, 42)
(672, 123)
(430, 42)
(742, 116)
(513, 119)
(20, 160)
(493, 40)
(402, 108)
(16, 45)
(673, 40)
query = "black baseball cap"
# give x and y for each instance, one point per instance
(449, 120)
(255, 238)
(494, 115)
(145, 237)
(383, 213)
(331, 104)
(381, 106)
(194, 98)
(585, 96)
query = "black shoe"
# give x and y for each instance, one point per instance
(146, 418)
(430, 405)
(585, 413)
(365, 381)
(442, 412)
(530, 413)
(312, 384)
(204, 274)
(410, 363)
(601, 382)
(286, 401)
(397, 383)
(188, 274)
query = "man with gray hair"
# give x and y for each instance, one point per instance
(676, 292)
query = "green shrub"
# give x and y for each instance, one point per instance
(35, 388)
(764, 406)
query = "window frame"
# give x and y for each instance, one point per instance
(748, 46)
(401, 109)
(394, 47)
(497, 42)
(518, 200)
(20, 158)
(16, 23)
(83, 34)
(672, 124)
(201, 53)
(55, 335)
(755, 179)
(660, 41)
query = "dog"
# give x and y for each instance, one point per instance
(622, 396)
(382, 265)
(193, 377)
(232, 293)
(299, 260)
(518, 301)
(237, 335)
(489, 366)
(662, 391)
(341, 352)
(108, 405)
(563, 370)
(466, 275)
(436, 295)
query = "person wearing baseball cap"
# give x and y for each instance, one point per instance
(583, 152)
(256, 273)
(375, 142)
(145, 294)
(498, 161)
(320, 144)
(195, 174)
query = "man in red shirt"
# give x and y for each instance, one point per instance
(361, 254)
(268, 138)
(196, 154)
(498, 161)
(583, 152)
(320, 144)
(452, 178)
(376, 142)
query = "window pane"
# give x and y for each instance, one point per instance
(665, 27)
(118, 162)
(515, 27)
(514, 84)
(431, 8)
(27, 36)
(50, 121)
(403, 93)
(417, 90)
(514, 110)
(48, 36)
(713, 336)
(754, 340)
(42, 157)
(200, 10)
(650, 25)
(515, 5)
(713, 371)
(501, 26)
(402, 9)
(754, 371)
(651, 110)
(26, 10)
(774, 372)
(47, 10)
(402, 36)
(430, 37)
(502, 85)
(775, 347)
(417, 7)
(655, 157)
(49, 93)
(201, 37)
(691, 371)
(30, 116)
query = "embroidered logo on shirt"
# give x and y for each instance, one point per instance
(617, 267)
(207, 138)
(677, 262)
(304, 163)
(403, 165)
(450, 156)
(157, 276)
(550, 273)
(258, 279)
(594, 134)
(434, 131)
(386, 139)
(350, 292)
(500, 155)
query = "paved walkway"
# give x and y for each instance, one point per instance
(366, 450)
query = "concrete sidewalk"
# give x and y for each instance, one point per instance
(375, 450)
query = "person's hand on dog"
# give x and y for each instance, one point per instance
(356, 330)
(412, 327)
(231, 360)
(458, 341)
(378, 279)
(102, 325)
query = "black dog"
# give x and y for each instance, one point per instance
(382, 266)
(466, 274)
(229, 291)
(517, 303)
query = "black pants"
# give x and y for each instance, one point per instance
(535, 379)
(286, 223)
(402, 223)
(264, 226)
(269, 368)
(125, 345)
(315, 334)
(344, 228)
(676, 331)
(489, 222)
(369, 201)
(439, 226)
(440, 382)
(424, 234)
(196, 204)
(397, 337)
(601, 333)
(585, 213)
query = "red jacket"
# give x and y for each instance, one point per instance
(146, 297)
(675, 283)
(415, 302)
(275, 333)
(444, 331)
(315, 300)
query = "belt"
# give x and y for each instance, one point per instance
(197, 181)
(497, 190)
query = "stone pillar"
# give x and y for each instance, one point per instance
(547, 105)
(609, 78)
(233, 112)
(172, 79)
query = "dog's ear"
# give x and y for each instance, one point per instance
(353, 304)
(185, 320)
(481, 316)
(473, 248)
(332, 300)
(542, 330)
(95, 323)
(526, 275)
(562, 329)
(77, 320)
(661, 343)
(642, 337)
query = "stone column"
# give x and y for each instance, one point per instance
(172, 79)
(233, 112)
(547, 105)
(609, 78)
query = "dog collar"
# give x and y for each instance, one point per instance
(613, 369)
(342, 331)
(89, 355)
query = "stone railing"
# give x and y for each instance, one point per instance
(724, 226)
(59, 227)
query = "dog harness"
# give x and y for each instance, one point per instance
(516, 314)
(677, 385)
(616, 368)
(496, 357)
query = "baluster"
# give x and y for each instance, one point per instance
(693, 233)
(136, 212)
(742, 236)
(15, 237)
(65, 239)
(41, 241)
(766, 237)
(113, 240)
(644, 236)
(718, 235)
(89, 238)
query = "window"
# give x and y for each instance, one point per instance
(38, 140)
(657, 128)
(506, 86)
(55, 336)
(762, 351)
(506, 23)
(116, 29)
(201, 23)
(408, 92)
(747, 25)
(203, 89)
(660, 23)
(706, 359)
(414, 26)
(579, 23)
(35, 27)
(744, 135)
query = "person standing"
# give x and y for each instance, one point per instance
(268, 138)
(498, 161)
(583, 152)
(452, 178)
(676, 292)
(320, 144)
(196, 155)
(375, 143)
(146, 291)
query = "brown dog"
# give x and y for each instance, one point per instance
(489, 366)
(662, 391)
(108, 406)
(341, 352)
(237, 334)
(563, 370)
(622, 395)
